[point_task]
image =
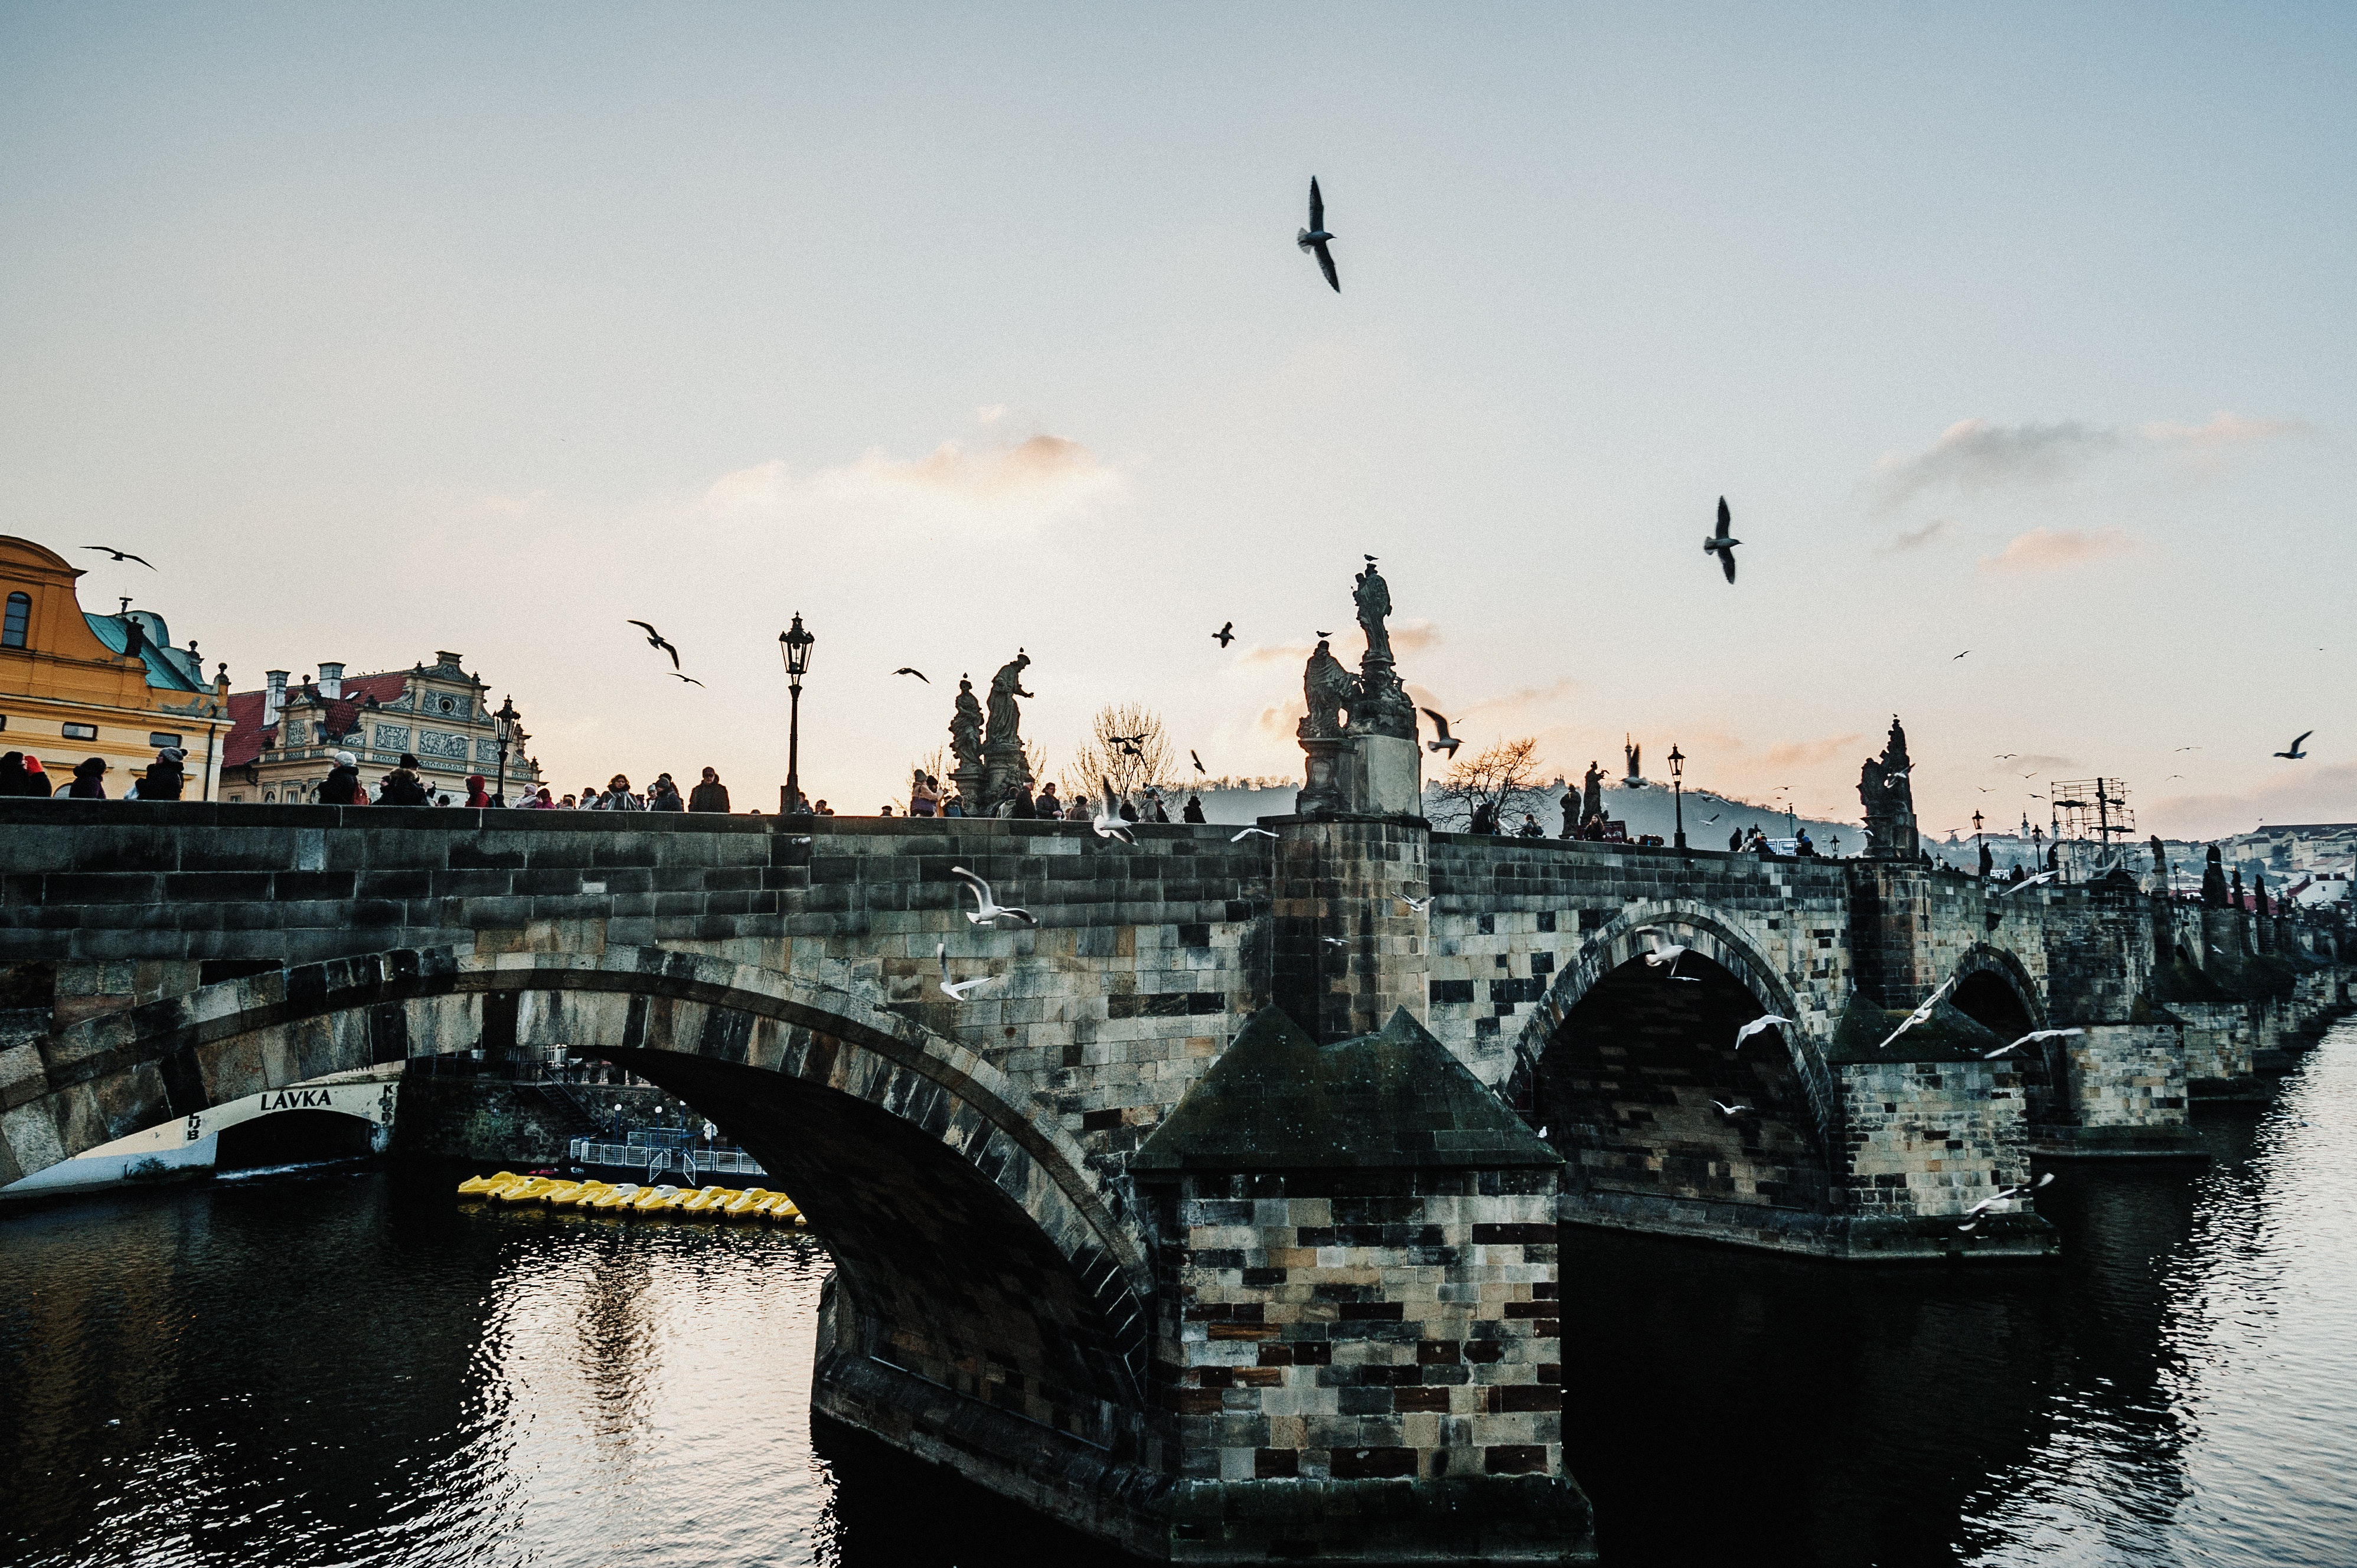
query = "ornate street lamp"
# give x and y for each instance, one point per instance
(506, 716)
(795, 645)
(1677, 791)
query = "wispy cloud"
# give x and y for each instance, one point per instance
(1974, 455)
(1809, 753)
(1917, 537)
(2224, 429)
(2056, 548)
(1043, 479)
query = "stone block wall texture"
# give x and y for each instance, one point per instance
(1348, 948)
(1932, 1139)
(2128, 1090)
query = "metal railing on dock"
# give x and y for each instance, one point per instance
(692, 1163)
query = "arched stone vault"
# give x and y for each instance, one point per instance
(996, 1206)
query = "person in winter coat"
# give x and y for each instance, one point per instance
(343, 785)
(619, 796)
(165, 777)
(477, 799)
(37, 781)
(401, 787)
(663, 796)
(1194, 811)
(711, 795)
(1485, 819)
(87, 776)
(13, 779)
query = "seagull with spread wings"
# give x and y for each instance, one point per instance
(1764, 1022)
(1314, 238)
(1225, 635)
(1108, 820)
(1721, 543)
(2295, 753)
(655, 639)
(920, 674)
(1448, 743)
(987, 910)
(123, 554)
(964, 989)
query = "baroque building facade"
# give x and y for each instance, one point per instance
(76, 685)
(286, 737)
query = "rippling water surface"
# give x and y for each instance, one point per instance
(354, 1369)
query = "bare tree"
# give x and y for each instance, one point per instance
(1127, 744)
(1505, 778)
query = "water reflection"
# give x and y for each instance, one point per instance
(353, 1370)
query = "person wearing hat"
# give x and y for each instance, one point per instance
(400, 787)
(87, 783)
(476, 796)
(166, 776)
(343, 785)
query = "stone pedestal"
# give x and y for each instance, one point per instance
(1384, 777)
(1002, 766)
(1322, 788)
(1349, 952)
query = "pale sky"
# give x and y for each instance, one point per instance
(2019, 329)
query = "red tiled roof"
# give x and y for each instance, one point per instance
(247, 738)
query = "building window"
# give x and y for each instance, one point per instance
(157, 737)
(81, 732)
(20, 620)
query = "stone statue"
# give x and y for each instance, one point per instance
(965, 728)
(2214, 881)
(1374, 596)
(1884, 790)
(1006, 718)
(1328, 689)
(1592, 793)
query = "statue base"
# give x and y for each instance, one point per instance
(1364, 776)
(969, 783)
(1001, 769)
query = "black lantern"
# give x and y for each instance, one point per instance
(794, 644)
(507, 717)
(1677, 791)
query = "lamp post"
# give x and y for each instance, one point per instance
(795, 645)
(1678, 791)
(507, 717)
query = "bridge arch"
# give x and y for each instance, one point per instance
(1626, 1067)
(1994, 988)
(975, 1246)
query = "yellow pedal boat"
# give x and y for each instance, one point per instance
(616, 1197)
(583, 1195)
(658, 1199)
(524, 1191)
(484, 1186)
(709, 1201)
(747, 1205)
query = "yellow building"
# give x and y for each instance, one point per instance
(74, 685)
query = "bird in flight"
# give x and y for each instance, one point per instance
(1658, 950)
(1764, 1022)
(1727, 1109)
(988, 911)
(1196, 761)
(2185, 748)
(1108, 820)
(2027, 882)
(1225, 635)
(655, 639)
(1313, 239)
(1323, 634)
(1719, 544)
(2007, 756)
(963, 988)
(2295, 753)
(1448, 743)
(1249, 831)
(123, 554)
(1920, 1013)
(2026, 1039)
(920, 674)
(1334, 941)
(1418, 905)
(1960, 656)
(689, 679)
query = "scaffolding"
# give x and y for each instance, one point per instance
(2092, 824)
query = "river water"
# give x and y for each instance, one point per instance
(352, 1369)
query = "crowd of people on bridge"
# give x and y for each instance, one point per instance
(1017, 802)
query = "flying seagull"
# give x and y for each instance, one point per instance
(959, 992)
(1418, 905)
(1719, 544)
(1448, 743)
(123, 554)
(1323, 634)
(1960, 656)
(2027, 882)
(920, 674)
(1730, 1110)
(689, 679)
(1334, 941)
(2295, 753)
(1920, 1013)
(655, 639)
(1660, 952)
(1764, 1022)
(1249, 831)
(2007, 756)
(1196, 761)
(1313, 239)
(1108, 822)
(2033, 1035)
(1225, 635)
(988, 909)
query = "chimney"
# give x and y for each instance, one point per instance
(274, 698)
(331, 680)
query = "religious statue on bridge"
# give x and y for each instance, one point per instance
(1885, 788)
(1383, 706)
(965, 742)
(1592, 794)
(1327, 688)
(1002, 748)
(1372, 764)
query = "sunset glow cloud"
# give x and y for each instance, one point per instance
(2055, 550)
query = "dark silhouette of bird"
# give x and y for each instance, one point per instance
(2295, 753)
(1448, 743)
(1313, 239)
(1324, 634)
(1225, 635)
(689, 679)
(920, 674)
(1199, 761)
(655, 639)
(1720, 544)
(123, 554)
(1960, 656)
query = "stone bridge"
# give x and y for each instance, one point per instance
(1221, 1222)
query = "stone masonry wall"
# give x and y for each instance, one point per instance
(2127, 1084)
(1932, 1139)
